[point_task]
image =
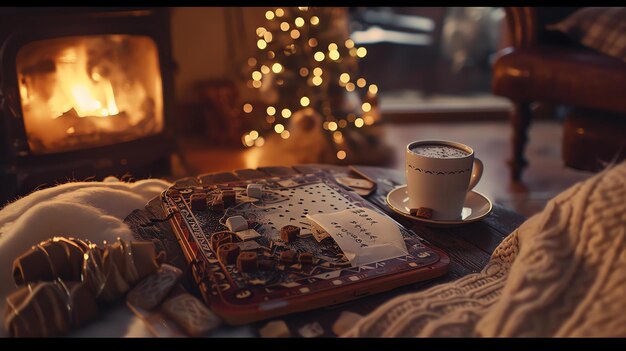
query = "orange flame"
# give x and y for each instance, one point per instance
(89, 96)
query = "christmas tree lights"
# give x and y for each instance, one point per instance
(306, 62)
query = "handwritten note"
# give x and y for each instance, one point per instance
(365, 236)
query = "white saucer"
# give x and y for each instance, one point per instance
(475, 208)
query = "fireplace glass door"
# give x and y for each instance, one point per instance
(87, 91)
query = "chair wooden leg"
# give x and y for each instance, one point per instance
(520, 120)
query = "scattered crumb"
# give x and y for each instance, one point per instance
(311, 330)
(345, 322)
(275, 329)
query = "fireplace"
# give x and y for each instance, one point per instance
(84, 93)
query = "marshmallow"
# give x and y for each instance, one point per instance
(236, 223)
(255, 190)
(247, 234)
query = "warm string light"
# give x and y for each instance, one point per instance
(277, 67)
(338, 136)
(252, 139)
(344, 78)
(373, 89)
(273, 41)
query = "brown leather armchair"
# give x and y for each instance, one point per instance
(546, 66)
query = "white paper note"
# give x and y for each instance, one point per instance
(365, 236)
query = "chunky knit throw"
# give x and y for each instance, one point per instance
(562, 273)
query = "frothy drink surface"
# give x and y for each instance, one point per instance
(439, 151)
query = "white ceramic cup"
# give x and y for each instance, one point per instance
(441, 184)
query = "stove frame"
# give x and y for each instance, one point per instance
(21, 171)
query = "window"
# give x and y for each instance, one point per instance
(431, 59)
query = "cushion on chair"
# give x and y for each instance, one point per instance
(562, 75)
(600, 28)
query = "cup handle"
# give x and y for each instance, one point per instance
(477, 172)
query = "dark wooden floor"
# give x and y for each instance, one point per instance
(545, 177)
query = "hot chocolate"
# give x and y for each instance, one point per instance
(438, 151)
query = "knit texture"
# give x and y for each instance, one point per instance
(562, 273)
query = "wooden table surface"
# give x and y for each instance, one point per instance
(469, 246)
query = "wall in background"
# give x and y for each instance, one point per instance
(210, 43)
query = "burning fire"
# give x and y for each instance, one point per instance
(88, 96)
(97, 90)
(86, 103)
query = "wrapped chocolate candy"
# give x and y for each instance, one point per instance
(191, 314)
(148, 293)
(49, 260)
(111, 271)
(73, 276)
(47, 309)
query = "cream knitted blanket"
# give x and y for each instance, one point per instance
(561, 273)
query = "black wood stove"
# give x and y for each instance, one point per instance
(84, 93)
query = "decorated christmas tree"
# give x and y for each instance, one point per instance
(306, 73)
